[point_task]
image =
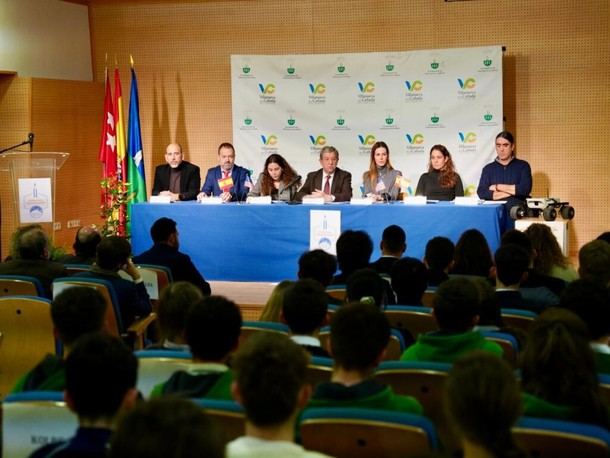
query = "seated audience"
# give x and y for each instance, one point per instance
(85, 243)
(330, 182)
(511, 269)
(409, 281)
(278, 180)
(558, 373)
(441, 181)
(321, 266)
(165, 253)
(354, 250)
(273, 307)
(472, 255)
(113, 254)
(31, 258)
(270, 383)
(482, 403)
(605, 236)
(456, 312)
(367, 286)
(438, 258)
(594, 262)
(75, 311)
(381, 181)
(393, 245)
(359, 335)
(100, 384)
(549, 259)
(212, 333)
(166, 428)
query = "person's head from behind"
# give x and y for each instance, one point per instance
(166, 428)
(77, 311)
(605, 236)
(175, 301)
(272, 311)
(456, 305)
(164, 230)
(517, 237)
(354, 250)
(393, 241)
(439, 254)
(472, 254)
(366, 286)
(100, 378)
(113, 252)
(86, 240)
(546, 246)
(483, 402)
(305, 307)
(318, 265)
(269, 379)
(33, 244)
(409, 280)
(511, 265)
(594, 262)
(212, 329)
(591, 302)
(15, 239)
(359, 335)
(490, 313)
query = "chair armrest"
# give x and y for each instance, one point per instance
(138, 328)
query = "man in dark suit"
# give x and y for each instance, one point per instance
(178, 179)
(330, 182)
(227, 180)
(165, 252)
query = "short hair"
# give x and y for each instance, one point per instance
(394, 238)
(161, 229)
(329, 149)
(15, 239)
(354, 250)
(358, 335)
(226, 145)
(76, 311)
(517, 237)
(32, 244)
(318, 265)
(164, 428)
(112, 252)
(605, 236)
(100, 370)
(305, 306)
(439, 253)
(594, 262)
(490, 313)
(591, 302)
(484, 401)
(174, 304)
(456, 304)
(367, 283)
(213, 326)
(270, 370)
(409, 280)
(86, 240)
(512, 262)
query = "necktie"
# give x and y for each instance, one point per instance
(327, 185)
(225, 174)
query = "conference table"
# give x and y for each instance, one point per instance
(262, 243)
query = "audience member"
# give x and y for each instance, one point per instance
(164, 252)
(490, 315)
(354, 250)
(177, 179)
(305, 312)
(100, 384)
(166, 428)
(272, 310)
(75, 311)
(409, 281)
(329, 182)
(605, 236)
(85, 243)
(594, 262)
(227, 180)
(456, 313)
(270, 383)
(438, 259)
(549, 259)
(212, 332)
(511, 269)
(321, 266)
(393, 245)
(472, 255)
(367, 286)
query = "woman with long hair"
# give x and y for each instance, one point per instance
(472, 255)
(441, 181)
(549, 260)
(381, 181)
(278, 180)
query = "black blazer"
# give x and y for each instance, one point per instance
(341, 188)
(190, 180)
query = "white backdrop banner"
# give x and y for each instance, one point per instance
(295, 105)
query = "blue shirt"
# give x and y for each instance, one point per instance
(87, 443)
(517, 172)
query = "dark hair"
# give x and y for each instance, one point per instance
(305, 306)
(439, 253)
(548, 251)
(354, 250)
(409, 280)
(100, 370)
(516, 237)
(372, 174)
(358, 335)
(162, 229)
(472, 254)
(287, 177)
(490, 313)
(366, 283)
(212, 329)
(558, 366)
(594, 262)
(32, 244)
(15, 241)
(483, 401)
(512, 262)
(447, 175)
(85, 242)
(174, 304)
(76, 311)
(591, 302)
(394, 238)
(605, 236)
(226, 145)
(456, 303)
(166, 428)
(506, 135)
(270, 370)
(318, 265)
(112, 252)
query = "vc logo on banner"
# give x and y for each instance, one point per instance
(468, 142)
(366, 92)
(317, 142)
(266, 93)
(366, 141)
(269, 143)
(414, 91)
(415, 142)
(467, 88)
(316, 93)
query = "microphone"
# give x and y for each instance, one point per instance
(31, 141)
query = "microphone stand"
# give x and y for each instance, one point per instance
(27, 142)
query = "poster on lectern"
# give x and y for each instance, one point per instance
(294, 105)
(35, 205)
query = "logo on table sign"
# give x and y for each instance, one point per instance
(368, 139)
(317, 140)
(414, 139)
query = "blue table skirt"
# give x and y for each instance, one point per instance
(240, 242)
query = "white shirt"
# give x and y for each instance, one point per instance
(253, 447)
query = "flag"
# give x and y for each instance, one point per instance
(108, 141)
(225, 184)
(135, 157)
(120, 147)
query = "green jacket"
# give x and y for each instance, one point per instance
(197, 384)
(534, 406)
(48, 375)
(447, 347)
